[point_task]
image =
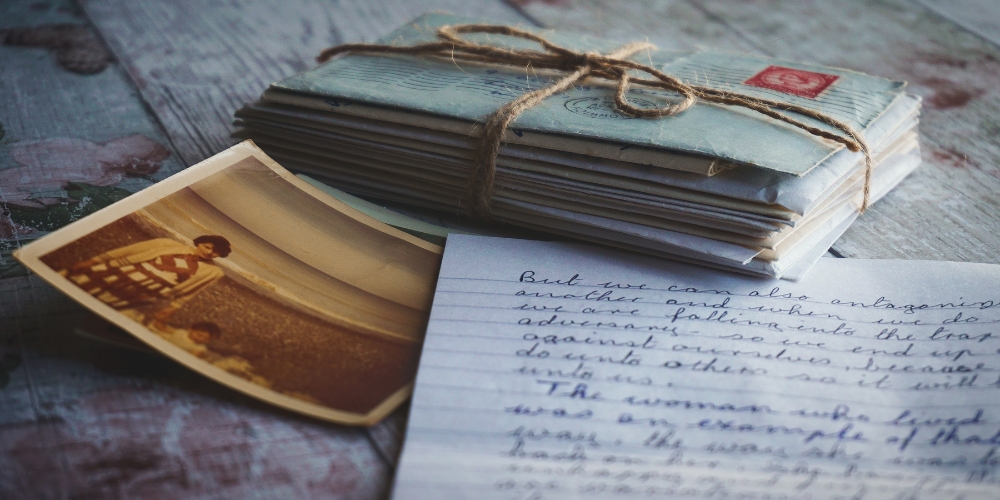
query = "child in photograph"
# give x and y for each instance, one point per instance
(149, 271)
(195, 339)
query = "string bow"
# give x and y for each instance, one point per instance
(578, 66)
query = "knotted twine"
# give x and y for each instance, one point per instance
(581, 65)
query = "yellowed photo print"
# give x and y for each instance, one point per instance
(256, 279)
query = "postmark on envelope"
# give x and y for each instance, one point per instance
(603, 107)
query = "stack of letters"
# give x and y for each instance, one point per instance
(718, 185)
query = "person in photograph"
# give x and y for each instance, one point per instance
(195, 340)
(152, 271)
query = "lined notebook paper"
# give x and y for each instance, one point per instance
(555, 370)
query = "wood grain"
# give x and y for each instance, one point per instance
(44, 102)
(81, 420)
(947, 210)
(981, 17)
(668, 24)
(195, 75)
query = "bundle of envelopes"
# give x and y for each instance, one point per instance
(718, 185)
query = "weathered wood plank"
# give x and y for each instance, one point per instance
(669, 24)
(57, 126)
(195, 75)
(947, 210)
(981, 17)
(79, 419)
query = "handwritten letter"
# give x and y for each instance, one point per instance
(555, 371)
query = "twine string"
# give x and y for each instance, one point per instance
(579, 66)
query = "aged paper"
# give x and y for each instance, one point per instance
(258, 280)
(554, 370)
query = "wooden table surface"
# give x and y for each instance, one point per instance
(80, 82)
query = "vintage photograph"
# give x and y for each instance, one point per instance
(254, 278)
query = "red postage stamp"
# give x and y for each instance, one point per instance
(792, 81)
